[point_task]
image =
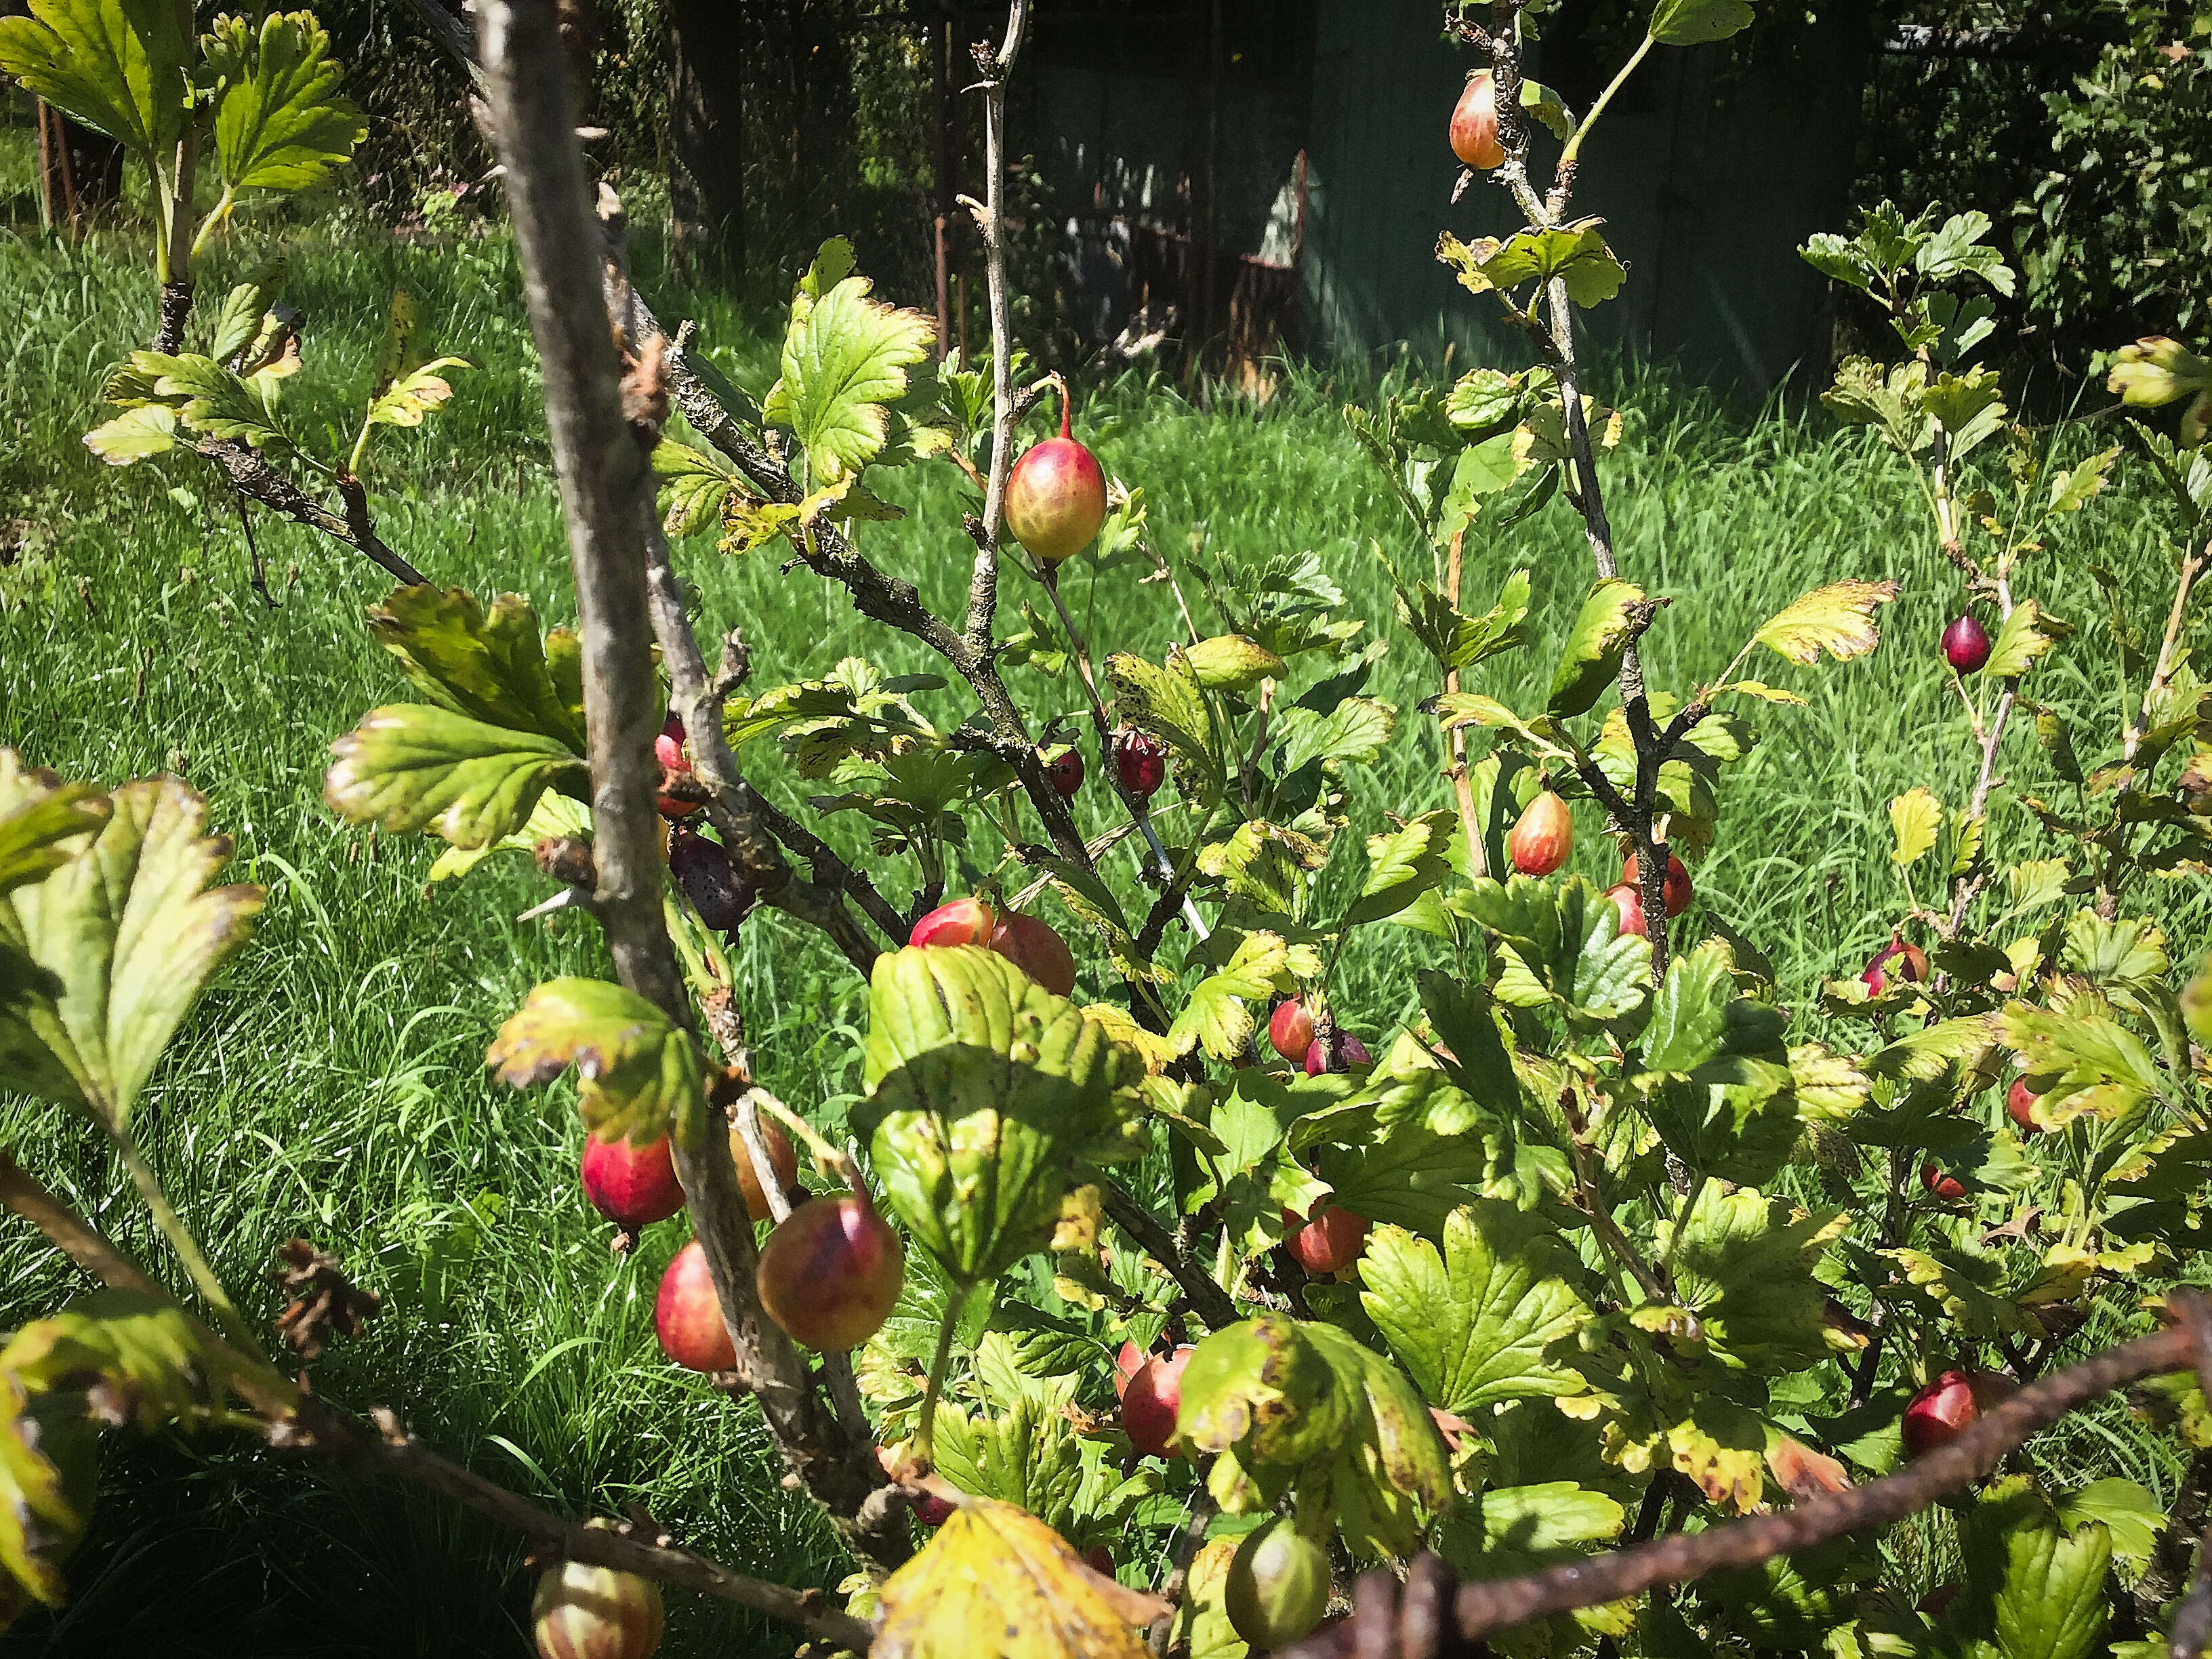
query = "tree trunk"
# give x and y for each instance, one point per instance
(80, 172)
(705, 120)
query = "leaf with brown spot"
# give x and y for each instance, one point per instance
(1804, 1472)
(996, 1583)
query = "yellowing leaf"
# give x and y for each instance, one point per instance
(409, 768)
(638, 1075)
(996, 1583)
(2156, 371)
(415, 394)
(148, 429)
(1914, 818)
(1838, 618)
(1760, 689)
(1217, 1017)
(128, 930)
(1232, 663)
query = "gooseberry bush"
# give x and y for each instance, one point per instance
(1603, 1291)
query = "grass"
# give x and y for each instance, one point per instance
(332, 1084)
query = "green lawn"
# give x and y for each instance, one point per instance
(332, 1082)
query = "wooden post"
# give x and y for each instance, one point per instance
(80, 172)
(941, 60)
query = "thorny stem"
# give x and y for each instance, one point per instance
(892, 600)
(1202, 1510)
(1593, 1203)
(235, 1325)
(1639, 820)
(1968, 882)
(764, 1170)
(2191, 565)
(1140, 814)
(600, 458)
(250, 475)
(1207, 1299)
(750, 826)
(983, 585)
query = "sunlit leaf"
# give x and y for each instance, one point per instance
(638, 1076)
(845, 361)
(984, 1090)
(148, 429)
(1474, 1321)
(408, 767)
(493, 666)
(1576, 253)
(1691, 22)
(118, 66)
(1838, 619)
(1402, 865)
(2019, 643)
(128, 930)
(280, 121)
(1591, 660)
(1231, 662)
(1915, 816)
(1216, 1016)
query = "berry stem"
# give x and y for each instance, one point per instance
(924, 1453)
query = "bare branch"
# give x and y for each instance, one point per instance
(77, 1239)
(252, 476)
(889, 599)
(389, 1449)
(301, 1422)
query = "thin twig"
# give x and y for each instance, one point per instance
(252, 476)
(78, 1239)
(1192, 1533)
(1139, 813)
(892, 600)
(389, 1449)
(256, 572)
(1462, 780)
